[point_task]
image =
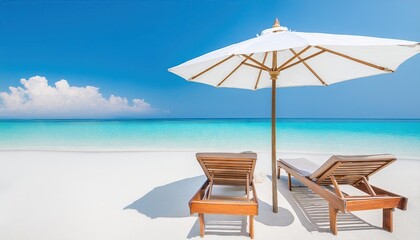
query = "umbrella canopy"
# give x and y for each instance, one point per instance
(283, 58)
(302, 59)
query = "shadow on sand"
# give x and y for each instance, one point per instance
(171, 201)
(313, 211)
(168, 201)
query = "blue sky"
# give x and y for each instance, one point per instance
(124, 48)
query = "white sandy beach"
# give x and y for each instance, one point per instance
(144, 195)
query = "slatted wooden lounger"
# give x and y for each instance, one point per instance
(235, 169)
(346, 170)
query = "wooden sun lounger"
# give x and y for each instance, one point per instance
(346, 170)
(235, 169)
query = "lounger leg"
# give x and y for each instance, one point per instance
(289, 181)
(333, 220)
(278, 172)
(388, 219)
(202, 225)
(251, 227)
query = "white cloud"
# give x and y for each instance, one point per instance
(37, 99)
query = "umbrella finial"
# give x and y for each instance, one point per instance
(275, 28)
(276, 23)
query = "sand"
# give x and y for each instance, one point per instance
(143, 195)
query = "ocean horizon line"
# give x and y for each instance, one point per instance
(205, 118)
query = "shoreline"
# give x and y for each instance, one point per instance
(116, 150)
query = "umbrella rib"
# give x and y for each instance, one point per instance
(259, 74)
(211, 67)
(300, 61)
(310, 69)
(254, 66)
(355, 59)
(274, 61)
(255, 61)
(293, 58)
(234, 70)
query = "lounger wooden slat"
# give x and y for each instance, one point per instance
(347, 170)
(402, 204)
(372, 203)
(236, 169)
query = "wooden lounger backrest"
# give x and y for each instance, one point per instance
(228, 168)
(350, 169)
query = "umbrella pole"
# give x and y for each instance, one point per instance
(274, 76)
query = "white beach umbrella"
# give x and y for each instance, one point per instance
(283, 58)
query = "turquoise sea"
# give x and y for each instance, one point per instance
(340, 136)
